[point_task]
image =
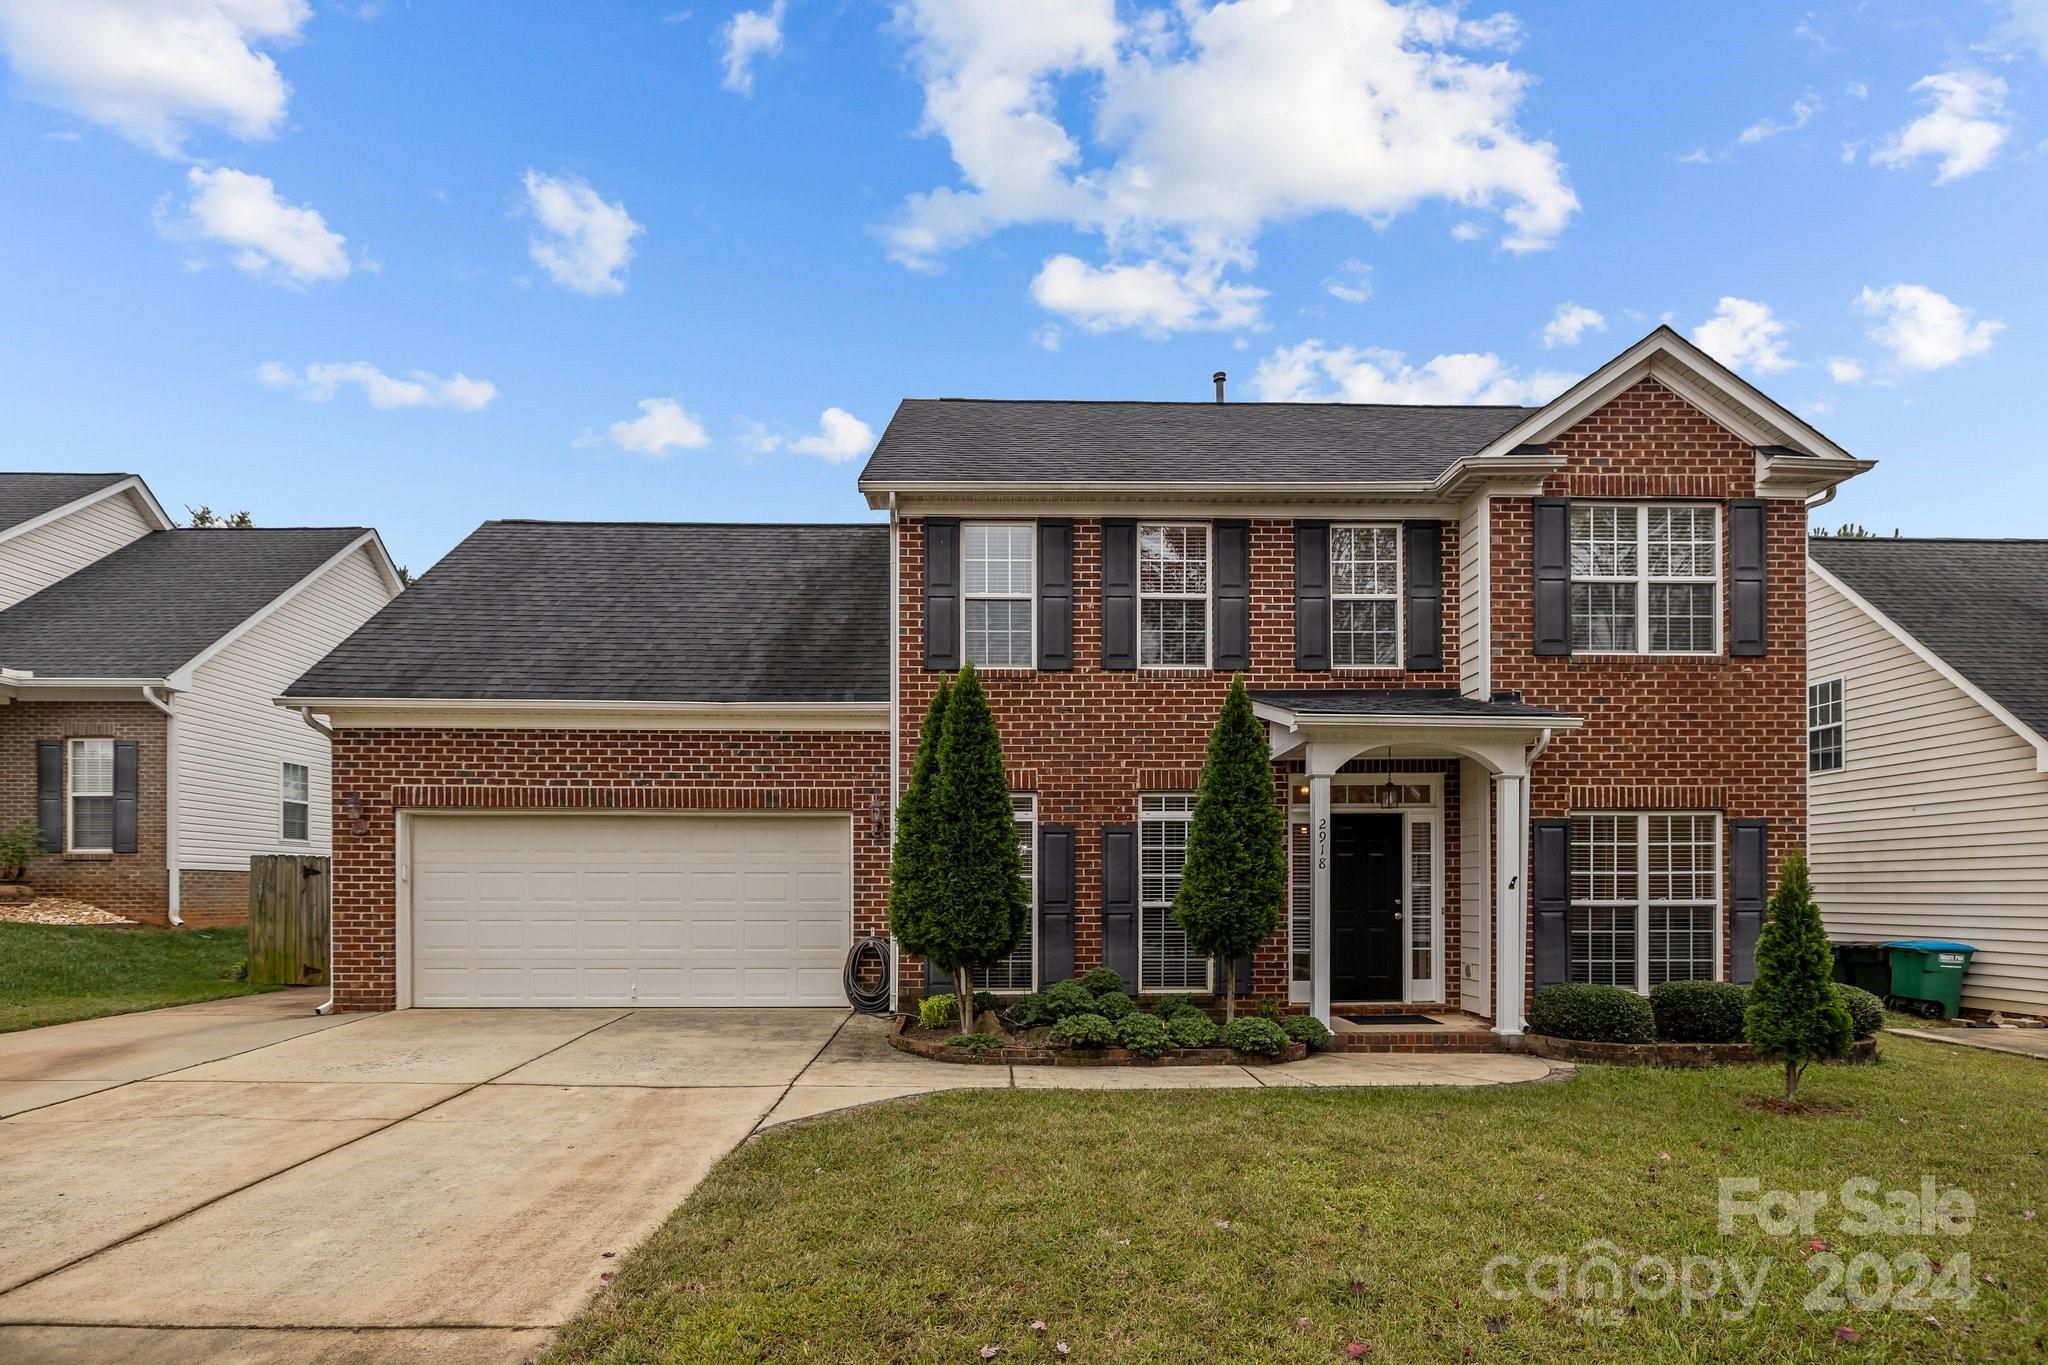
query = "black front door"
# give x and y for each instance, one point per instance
(1365, 907)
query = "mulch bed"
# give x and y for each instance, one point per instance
(904, 1037)
(1664, 1054)
(59, 910)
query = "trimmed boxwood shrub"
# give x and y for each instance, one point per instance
(1698, 1011)
(1256, 1036)
(1192, 1030)
(975, 1042)
(1306, 1028)
(1082, 1030)
(1170, 1006)
(1142, 1034)
(1102, 981)
(1115, 1005)
(936, 1011)
(1068, 997)
(1593, 1014)
(1026, 1011)
(1866, 1011)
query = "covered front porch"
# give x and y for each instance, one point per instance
(1395, 788)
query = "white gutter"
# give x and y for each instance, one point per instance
(307, 716)
(1541, 744)
(176, 891)
(895, 710)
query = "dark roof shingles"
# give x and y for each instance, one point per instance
(1446, 702)
(552, 611)
(24, 497)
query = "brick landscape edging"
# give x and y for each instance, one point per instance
(1663, 1054)
(1108, 1056)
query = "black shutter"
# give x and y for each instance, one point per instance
(127, 764)
(1232, 575)
(1746, 578)
(50, 793)
(1311, 596)
(1119, 593)
(1550, 901)
(941, 592)
(1120, 901)
(937, 980)
(1553, 562)
(1748, 859)
(1055, 903)
(1056, 594)
(1243, 978)
(1425, 594)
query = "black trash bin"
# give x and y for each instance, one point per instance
(1866, 965)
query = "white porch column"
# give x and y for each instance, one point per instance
(1510, 901)
(1319, 895)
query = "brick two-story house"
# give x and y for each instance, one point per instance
(1534, 679)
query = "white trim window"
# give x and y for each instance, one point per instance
(1365, 596)
(1165, 962)
(998, 568)
(89, 796)
(1646, 578)
(1645, 898)
(295, 803)
(1019, 971)
(1826, 730)
(1173, 595)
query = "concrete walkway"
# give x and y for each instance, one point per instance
(2021, 1042)
(244, 1180)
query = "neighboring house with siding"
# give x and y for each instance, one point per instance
(136, 724)
(1927, 673)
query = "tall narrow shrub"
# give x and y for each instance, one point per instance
(1233, 887)
(913, 863)
(978, 915)
(1794, 1013)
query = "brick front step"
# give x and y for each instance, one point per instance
(1420, 1040)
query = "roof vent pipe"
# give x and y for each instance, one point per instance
(1219, 377)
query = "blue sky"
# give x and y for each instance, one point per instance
(420, 264)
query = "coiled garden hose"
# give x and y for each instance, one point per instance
(868, 953)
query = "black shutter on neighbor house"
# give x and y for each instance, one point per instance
(50, 793)
(1055, 903)
(1550, 894)
(941, 592)
(1311, 596)
(1119, 593)
(1746, 584)
(127, 775)
(1243, 975)
(1552, 557)
(1232, 575)
(1748, 857)
(1120, 901)
(1056, 594)
(937, 980)
(1425, 594)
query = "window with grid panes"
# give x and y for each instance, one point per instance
(1165, 962)
(1645, 578)
(91, 769)
(997, 570)
(1825, 751)
(1645, 898)
(1016, 972)
(1365, 596)
(1173, 596)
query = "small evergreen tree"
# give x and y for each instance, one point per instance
(978, 913)
(1794, 1013)
(913, 863)
(1233, 886)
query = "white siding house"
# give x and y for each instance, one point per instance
(57, 543)
(1928, 799)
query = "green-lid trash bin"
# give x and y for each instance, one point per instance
(1927, 975)
(1867, 966)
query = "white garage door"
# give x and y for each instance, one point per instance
(630, 910)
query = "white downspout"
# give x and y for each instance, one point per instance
(1541, 744)
(895, 711)
(175, 892)
(306, 715)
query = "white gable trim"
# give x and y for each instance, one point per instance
(132, 485)
(181, 679)
(1938, 664)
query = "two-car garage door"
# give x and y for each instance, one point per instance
(576, 909)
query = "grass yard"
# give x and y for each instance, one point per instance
(51, 974)
(1305, 1225)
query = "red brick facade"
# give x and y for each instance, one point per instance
(136, 884)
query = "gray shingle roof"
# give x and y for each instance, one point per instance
(155, 604)
(1982, 605)
(963, 440)
(561, 611)
(24, 497)
(1391, 702)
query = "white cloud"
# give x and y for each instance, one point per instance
(151, 70)
(584, 243)
(264, 237)
(1803, 110)
(661, 427)
(841, 437)
(1213, 121)
(1048, 337)
(1151, 297)
(1843, 370)
(1352, 283)
(1745, 335)
(320, 383)
(750, 34)
(1467, 232)
(1923, 330)
(1313, 372)
(2023, 27)
(1857, 90)
(1965, 125)
(1570, 322)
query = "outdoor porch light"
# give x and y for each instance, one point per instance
(1390, 792)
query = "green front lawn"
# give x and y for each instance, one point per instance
(52, 975)
(1304, 1225)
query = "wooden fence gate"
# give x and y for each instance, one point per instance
(288, 920)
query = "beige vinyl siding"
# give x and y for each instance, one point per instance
(1475, 599)
(1937, 824)
(1475, 889)
(233, 743)
(34, 560)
